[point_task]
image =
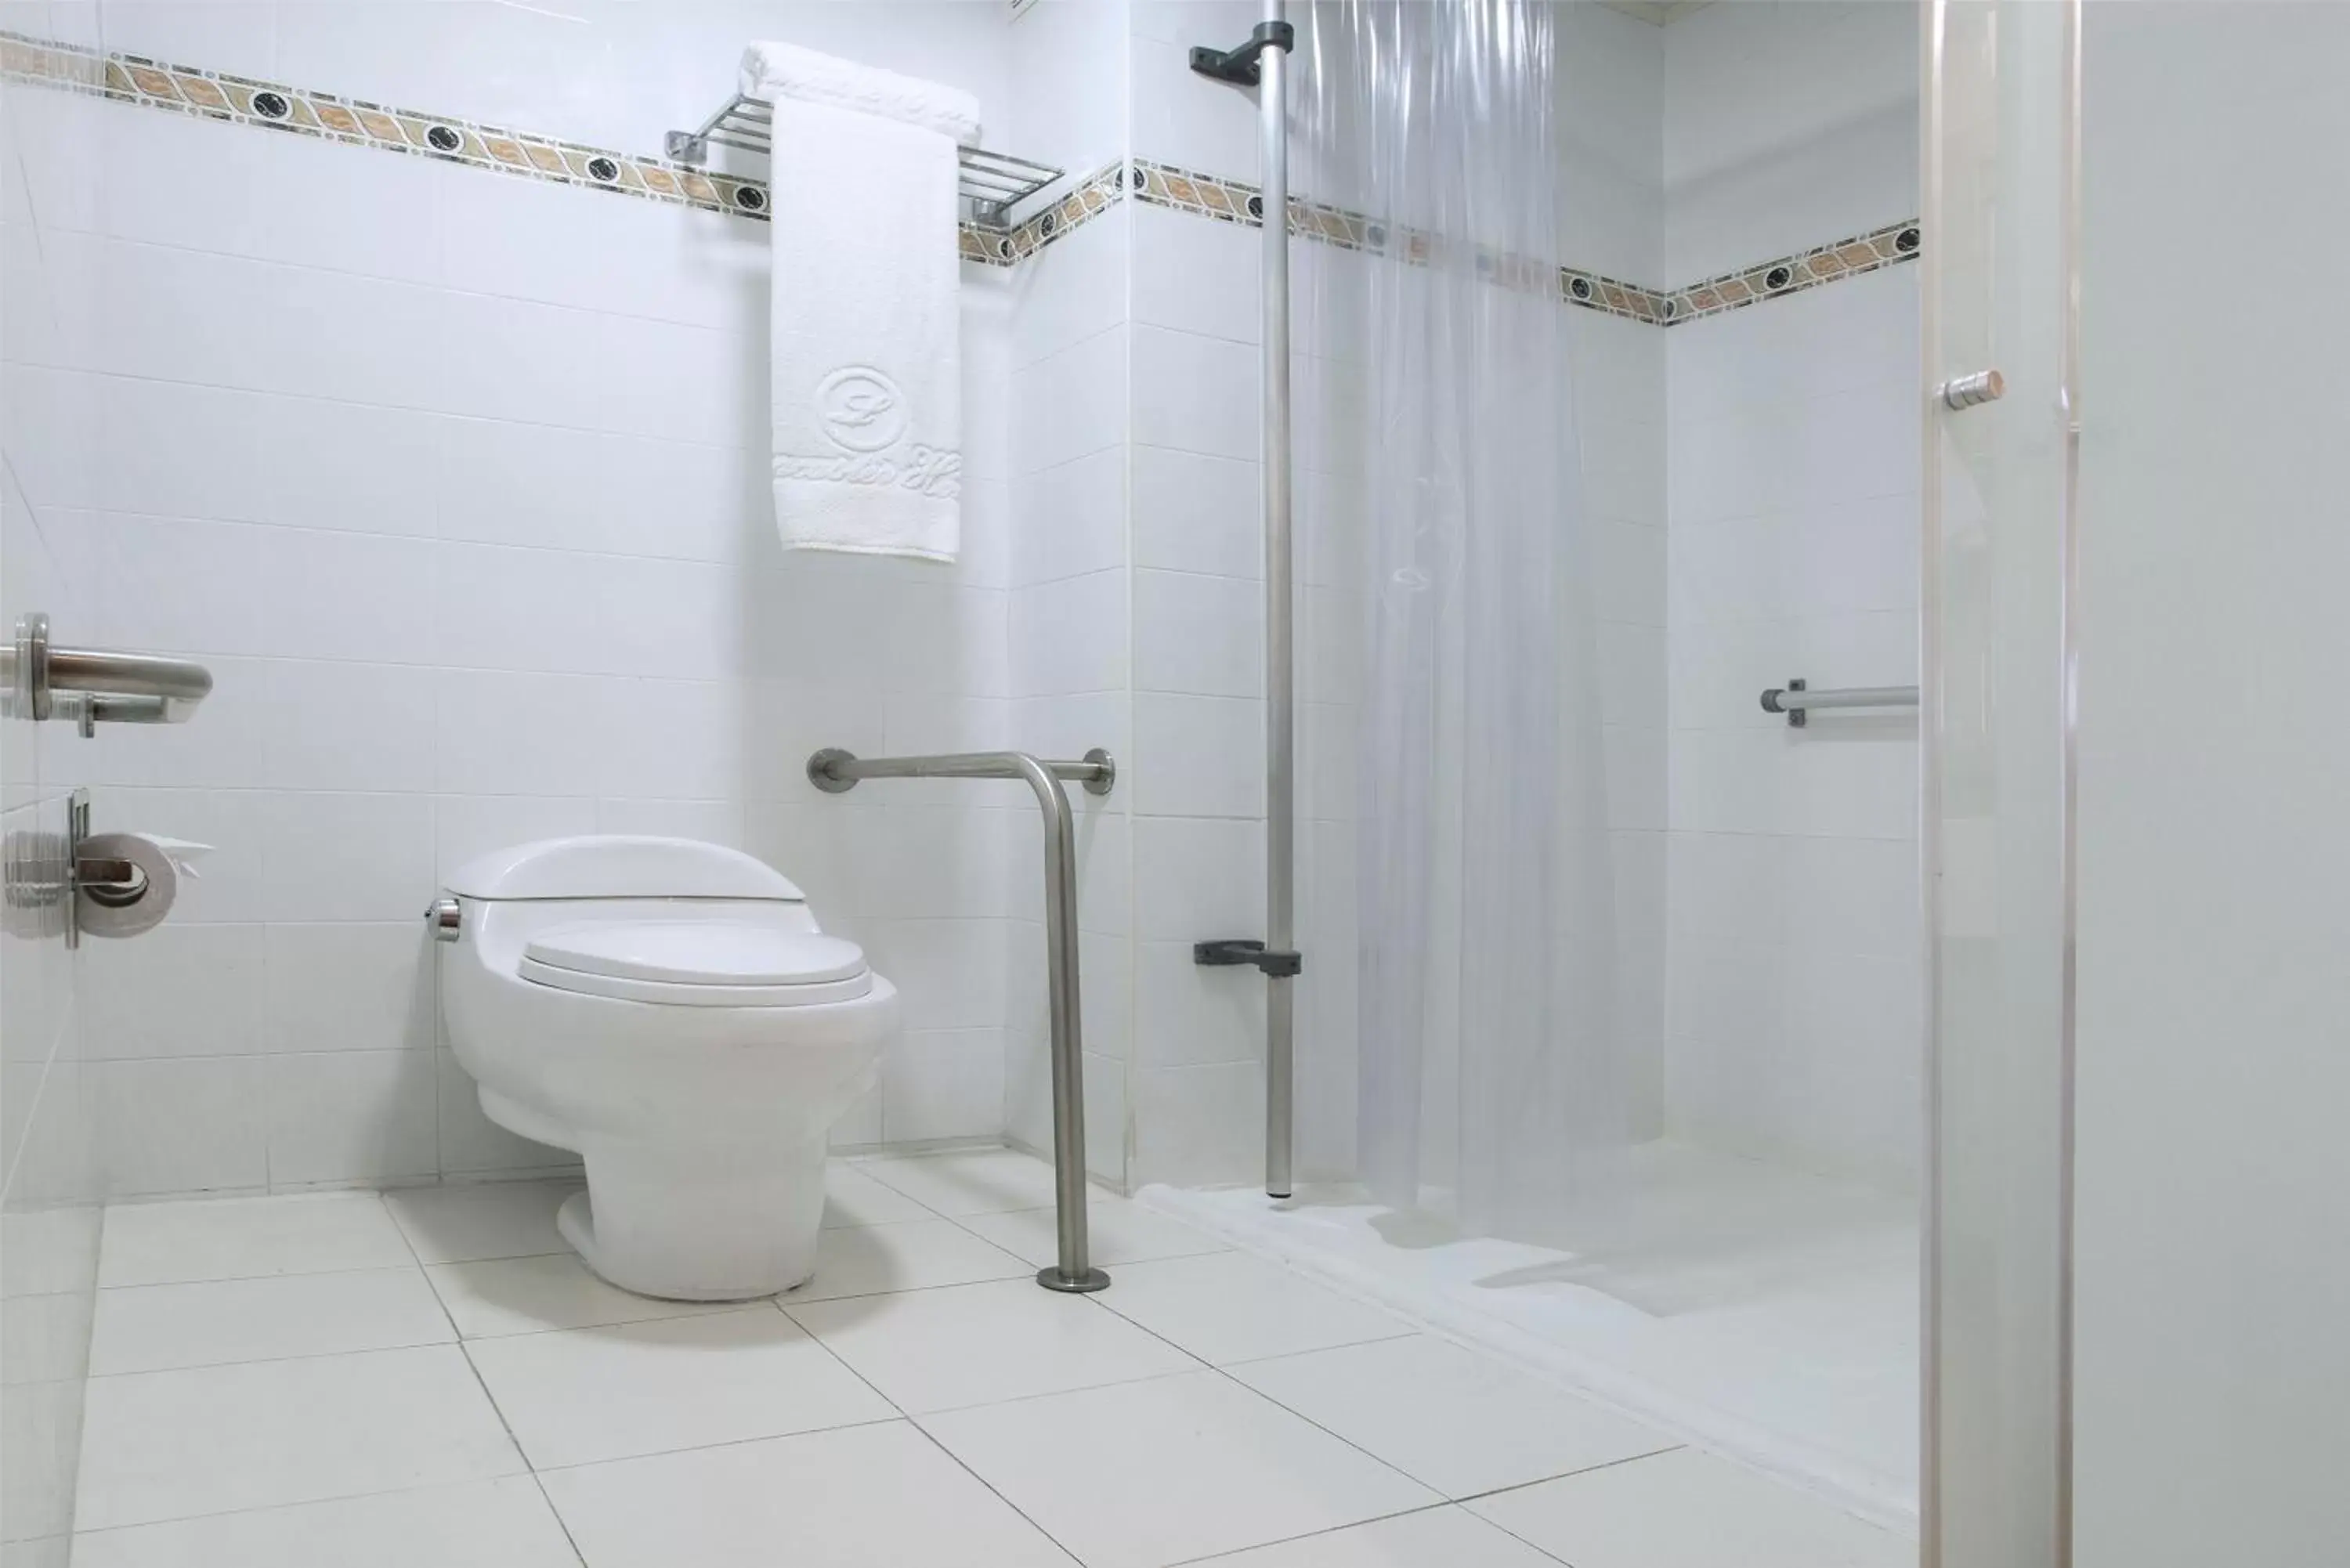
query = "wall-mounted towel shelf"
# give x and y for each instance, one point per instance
(992, 183)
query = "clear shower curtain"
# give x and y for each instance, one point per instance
(1444, 463)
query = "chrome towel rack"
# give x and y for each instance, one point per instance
(836, 772)
(94, 685)
(1796, 699)
(992, 182)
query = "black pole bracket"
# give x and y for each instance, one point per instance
(1239, 66)
(1234, 951)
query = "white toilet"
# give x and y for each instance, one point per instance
(669, 1010)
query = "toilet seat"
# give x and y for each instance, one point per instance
(698, 963)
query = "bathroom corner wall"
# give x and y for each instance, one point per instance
(1070, 666)
(1794, 988)
(1609, 119)
(1199, 628)
(455, 478)
(49, 1216)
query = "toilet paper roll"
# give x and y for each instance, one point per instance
(164, 861)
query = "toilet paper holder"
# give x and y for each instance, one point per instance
(117, 884)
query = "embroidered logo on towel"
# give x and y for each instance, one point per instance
(863, 413)
(862, 408)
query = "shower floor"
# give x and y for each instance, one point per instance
(1765, 1312)
(427, 1378)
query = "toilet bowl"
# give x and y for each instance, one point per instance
(670, 1012)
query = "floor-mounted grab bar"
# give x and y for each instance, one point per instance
(834, 771)
(1795, 699)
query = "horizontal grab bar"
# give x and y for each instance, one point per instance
(1795, 699)
(107, 672)
(834, 771)
(41, 681)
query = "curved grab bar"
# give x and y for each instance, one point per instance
(834, 771)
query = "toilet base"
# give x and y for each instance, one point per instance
(715, 1230)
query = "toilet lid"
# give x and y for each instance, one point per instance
(700, 952)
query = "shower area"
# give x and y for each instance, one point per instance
(1608, 1049)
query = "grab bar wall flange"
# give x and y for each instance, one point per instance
(834, 771)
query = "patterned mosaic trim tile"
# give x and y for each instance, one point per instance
(1887, 246)
(1097, 193)
(1188, 190)
(1613, 296)
(242, 100)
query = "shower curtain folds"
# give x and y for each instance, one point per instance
(1487, 1075)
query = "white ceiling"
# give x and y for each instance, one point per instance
(1658, 11)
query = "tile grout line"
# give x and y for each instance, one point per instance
(529, 1466)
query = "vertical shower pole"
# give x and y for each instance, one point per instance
(1263, 62)
(1280, 674)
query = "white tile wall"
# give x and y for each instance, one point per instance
(455, 481)
(50, 1219)
(1784, 127)
(1791, 997)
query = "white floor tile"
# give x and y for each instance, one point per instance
(1150, 1473)
(1462, 1422)
(1117, 1232)
(247, 1238)
(467, 1223)
(972, 1344)
(867, 1496)
(853, 1197)
(152, 1328)
(1229, 1306)
(1435, 1538)
(592, 1393)
(214, 1439)
(868, 1260)
(1688, 1510)
(481, 1524)
(968, 1182)
(553, 1290)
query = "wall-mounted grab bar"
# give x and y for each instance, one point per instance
(96, 684)
(1795, 699)
(834, 771)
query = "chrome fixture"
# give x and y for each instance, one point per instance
(836, 772)
(992, 182)
(1795, 699)
(1263, 62)
(94, 685)
(1971, 391)
(444, 918)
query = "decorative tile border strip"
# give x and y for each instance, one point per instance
(1097, 193)
(214, 95)
(1232, 201)
(1887, 246)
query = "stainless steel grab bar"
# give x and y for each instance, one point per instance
(98, 684)
(834, 772)
(1795, 699)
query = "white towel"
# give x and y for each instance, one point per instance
(866, 365)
